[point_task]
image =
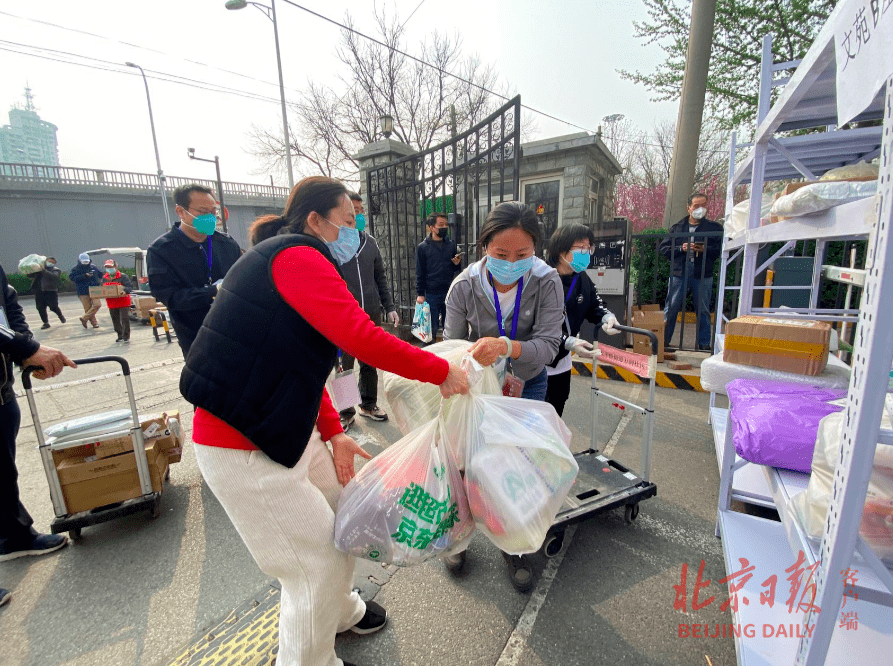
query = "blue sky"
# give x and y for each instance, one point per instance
(561, 56)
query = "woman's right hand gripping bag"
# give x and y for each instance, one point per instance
(518, 466)
(406, 505)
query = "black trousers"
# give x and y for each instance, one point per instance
(121, 322)
(44, 300)
(368, 385)
(15, 522)
(558, 390)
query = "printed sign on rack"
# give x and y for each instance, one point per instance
(639, 364)
(863, 45)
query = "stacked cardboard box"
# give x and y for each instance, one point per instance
(775, 343)
(143, 304)
(651, 318)
(104, 472)
(107, 291)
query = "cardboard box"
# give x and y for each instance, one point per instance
(113, 447)
(776, 343)
(651, 318)
(143, 304)
(107, 291)
(156, 428)
(88, 484)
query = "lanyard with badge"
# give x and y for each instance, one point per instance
(513, 387)
(567, 299)
(343, 389)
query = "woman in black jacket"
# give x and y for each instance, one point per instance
(570, 251)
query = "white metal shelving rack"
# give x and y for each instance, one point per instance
(809, 100)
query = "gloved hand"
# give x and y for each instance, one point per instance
(394, 318)
(581, 348)
(608, 322)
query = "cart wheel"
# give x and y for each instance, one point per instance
(631, 513)
(553, 544)
(155, 511)
(74, 534)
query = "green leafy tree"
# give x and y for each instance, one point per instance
(733, 78)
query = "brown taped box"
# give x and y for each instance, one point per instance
(107, 291)
(651, 318)
(776, 343)
(143, 305)
(156, 427)
(88, 484)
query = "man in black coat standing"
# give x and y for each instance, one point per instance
(693, 259)
(18, 537)
(188, 262)
(437, 261)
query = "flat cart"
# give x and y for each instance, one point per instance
(149, 500)
(604, 484)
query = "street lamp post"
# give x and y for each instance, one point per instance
(167, 215)
(216, 161)
(270, 13)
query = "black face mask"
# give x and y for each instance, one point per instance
(441, 233)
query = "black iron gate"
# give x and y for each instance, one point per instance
(463, 177)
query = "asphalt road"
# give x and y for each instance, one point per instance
(136, 591)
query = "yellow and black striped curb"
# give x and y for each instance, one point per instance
(249, 636)
(664, 379)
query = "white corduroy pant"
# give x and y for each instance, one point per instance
(286, 517)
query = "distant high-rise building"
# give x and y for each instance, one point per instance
(27, 139)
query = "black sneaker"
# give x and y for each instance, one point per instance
(376, 413)
(347, 422)
(374, 620)
(40, 545)
(455, 563)
(45, 326)
(5, 596)
(62, 319)
(519, 571)
(120, 340)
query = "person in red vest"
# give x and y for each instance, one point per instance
(119, 308)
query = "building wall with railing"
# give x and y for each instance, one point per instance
(63, 211)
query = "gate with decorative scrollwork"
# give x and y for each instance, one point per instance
(463, 177)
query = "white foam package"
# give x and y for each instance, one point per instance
(94, 425)
(810, 507)
(737, 222)
(822, 196)
(716, 373)
(414, 403)
(518, 466)
(406, 505)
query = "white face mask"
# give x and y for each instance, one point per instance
(699, 213)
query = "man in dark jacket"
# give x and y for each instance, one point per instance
(18, 537)
(693, 259)
(84, 276)
(46, 291)
(188, 262)
(366, 280)
(436, 264)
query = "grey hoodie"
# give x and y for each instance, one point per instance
(471, 314)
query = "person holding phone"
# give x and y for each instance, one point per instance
(693, 259)
(437, 261)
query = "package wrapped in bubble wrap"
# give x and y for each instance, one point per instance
(716, 373)
(413, 403)
(811, 506)
(822, 196)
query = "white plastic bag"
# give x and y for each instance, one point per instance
(737, 222)
(407, 505)
(33, 263)
(414, 403)
(421, 322)
(94, 425)
(518, 466)
(811, 506)
(821, 196)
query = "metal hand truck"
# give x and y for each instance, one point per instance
(149, 500)
(604, 484)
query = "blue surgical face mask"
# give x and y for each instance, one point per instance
(361, 222)
(204, 224)
(580, 261)
(508, 272)
(344, 248)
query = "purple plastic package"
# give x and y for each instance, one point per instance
(775, 423)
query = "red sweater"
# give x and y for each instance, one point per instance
(334, 312)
